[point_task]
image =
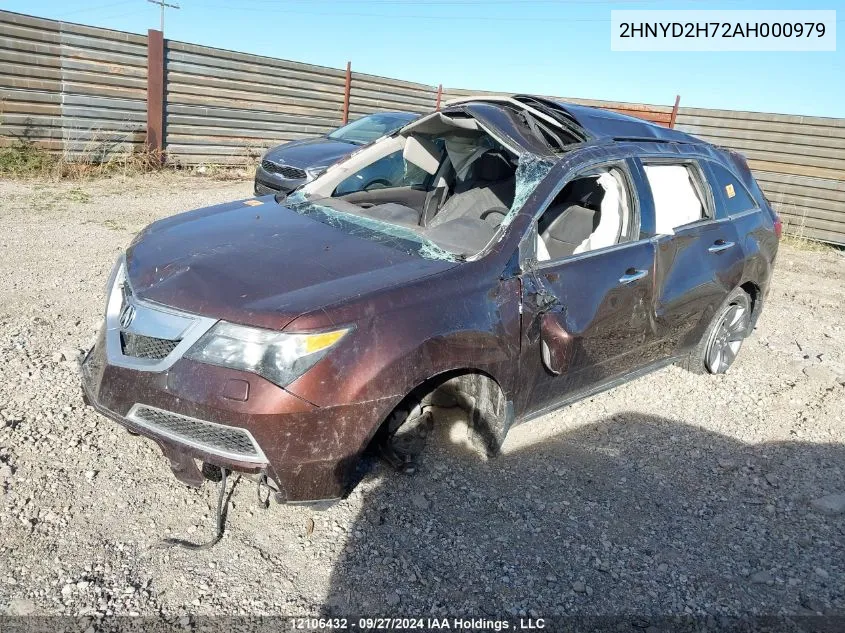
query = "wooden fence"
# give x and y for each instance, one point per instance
(799, 162)
(74, 89)
(71, 89)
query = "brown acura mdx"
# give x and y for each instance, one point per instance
(512, 254)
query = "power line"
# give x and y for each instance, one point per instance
(370, 7)
(408, 16)
(483, 3)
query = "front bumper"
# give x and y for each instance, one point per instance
(310, 453)
(267, 182)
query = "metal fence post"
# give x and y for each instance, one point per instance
(675, 111)
(155, 94)
(346, 92)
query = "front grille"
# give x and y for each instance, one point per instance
(226, 441)
(140, 346)
(285, 170)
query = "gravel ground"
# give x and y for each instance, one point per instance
(673, 494)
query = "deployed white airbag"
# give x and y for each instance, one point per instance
(675, 200)
(610, 217)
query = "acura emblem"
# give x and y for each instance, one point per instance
(127, 314)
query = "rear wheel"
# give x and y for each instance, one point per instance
(720, 345)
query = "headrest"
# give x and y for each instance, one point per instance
(493, 166)
(587, 191)
(422, 153)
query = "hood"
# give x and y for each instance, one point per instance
(258, 263)
(312, 152)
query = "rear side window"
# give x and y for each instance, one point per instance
(730, 192)
(678, 199)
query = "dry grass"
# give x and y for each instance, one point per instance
(23, 159)
(95, 153)
(808, 244)
(222, 172)
(243, 168)
(795, 235)
(106, 153)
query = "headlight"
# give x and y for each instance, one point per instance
(280, 357)
(316, 172)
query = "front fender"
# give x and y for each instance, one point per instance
(414, 333)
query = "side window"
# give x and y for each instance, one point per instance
(390, 171)
(592, 211)
(730, 192)
(678, 198)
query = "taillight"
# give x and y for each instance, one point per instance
(778, 226)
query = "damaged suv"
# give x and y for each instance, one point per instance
(518, 254)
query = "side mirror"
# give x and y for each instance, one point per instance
(556, 343)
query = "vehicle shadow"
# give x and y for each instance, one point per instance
(634, 514)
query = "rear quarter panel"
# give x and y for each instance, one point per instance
(755, 229)
(760, 245)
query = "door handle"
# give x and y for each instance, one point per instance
(720, 245)
(631, 275)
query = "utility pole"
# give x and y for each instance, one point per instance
(163, 4)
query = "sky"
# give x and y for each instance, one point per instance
(552, 47)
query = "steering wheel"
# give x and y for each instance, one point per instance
(503, 211)
(378, 183)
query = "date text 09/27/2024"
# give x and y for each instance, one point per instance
(423, 624)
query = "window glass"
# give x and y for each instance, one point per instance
(369, 128)
(590, 212)
(390, 171)
(677, 200)
(730, 191)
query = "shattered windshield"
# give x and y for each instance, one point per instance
(530, 171)
(398, 237)
(445, 190)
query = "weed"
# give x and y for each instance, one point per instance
(77, 195)
(794, 234)
(808, 244)
(109, 224)
(24, 158)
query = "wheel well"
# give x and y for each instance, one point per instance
(753, 292)
(474, 391)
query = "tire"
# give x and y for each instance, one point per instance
(719, 346)
(401, 438)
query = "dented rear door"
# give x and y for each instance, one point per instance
(696, 268)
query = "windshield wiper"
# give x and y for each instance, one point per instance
(351, 141)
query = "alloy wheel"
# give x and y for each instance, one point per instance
(727, 339)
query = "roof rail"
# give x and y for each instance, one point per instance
(652, 139)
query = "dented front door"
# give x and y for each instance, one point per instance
(587, 319)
